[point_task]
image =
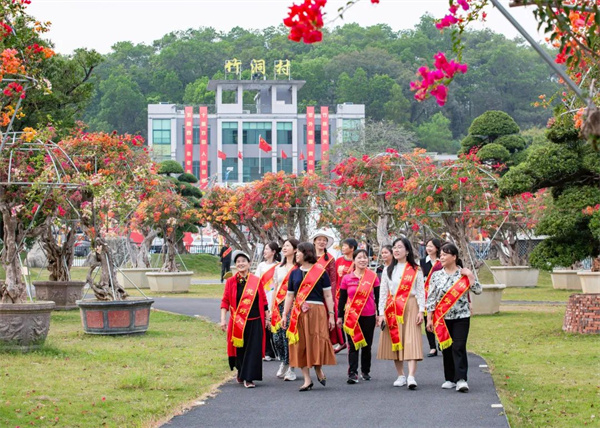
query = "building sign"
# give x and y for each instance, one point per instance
(325, 140)
(310, 139)
(233, 66)
(188, 138)
(258, 68)
(282, 68)
(203, 147)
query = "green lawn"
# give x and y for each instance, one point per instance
(80, 380)
(544, 377)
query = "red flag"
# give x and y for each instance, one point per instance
(301, 155)
(221, 155)
(283, 155)
(263, 145)
(240, 157)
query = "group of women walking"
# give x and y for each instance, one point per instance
(314, 305)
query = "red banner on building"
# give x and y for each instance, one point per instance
(325, 140)
(310, 139)
(188, 138)
(203, 147)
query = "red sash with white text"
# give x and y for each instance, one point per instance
(307, 285)
(434, 268)
(394, 307)
(454, 293)
(243, 310)
(353, 311)
(279, 297)
(266, 279)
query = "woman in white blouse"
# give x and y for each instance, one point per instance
(410, 330)
(271, 257)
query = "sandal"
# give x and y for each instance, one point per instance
(249, 384)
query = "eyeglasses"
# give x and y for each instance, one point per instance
(398, 248)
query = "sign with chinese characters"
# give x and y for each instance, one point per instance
(233, 66)
(310, 139)
(325, 140)
(258, 69)
(188, 138)
(282, 68)
(203, 147)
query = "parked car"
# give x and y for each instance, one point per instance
(81, 248)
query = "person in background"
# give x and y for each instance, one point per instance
(359, 297)
(386, 259)
(247, 303)
(401, 307)
(281, 280)
(343, 266)
(265, 271)
(429, 265)
(449, 315)
(225, 259)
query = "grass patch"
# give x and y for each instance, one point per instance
(543, 292)
(545, 377)
(196, 290)
(80, 380)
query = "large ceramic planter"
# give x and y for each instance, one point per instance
(24, 326)
(590, 282)
(488, 302)
(136, 276)
(63, 293)
(515, 276)
(564, 279)
(170, 282)
(130, 316)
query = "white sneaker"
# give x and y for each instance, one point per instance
(283, 367)
(267, 358)
(412, 383)
(462, 386)
(448, 385)
(290, 375)
(401, 381)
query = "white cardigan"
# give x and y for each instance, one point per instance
(390, 286)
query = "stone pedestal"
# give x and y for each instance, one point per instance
(564, 279)
(488, 302)
(24, 326)
(63, 293)
(583, 314)
(515, 276)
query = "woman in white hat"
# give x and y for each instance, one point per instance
(323, 240)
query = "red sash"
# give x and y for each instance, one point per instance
(454, 293)
(266, 279)
(322, 262)
(279, 297)
(345, 270)
(226, 253)
(426, 285)
(308, 283)
(394, 308)
(241, 314)
(353, 311)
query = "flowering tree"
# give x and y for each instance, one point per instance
(115, 174)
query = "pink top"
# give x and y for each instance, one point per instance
(350, 284)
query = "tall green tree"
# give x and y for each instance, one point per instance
(435, 135)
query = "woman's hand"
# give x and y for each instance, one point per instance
(340, 322)
(223, 325)
(380, 319)
(267, 317)
(419, 318)
(469, 274)
(284, 321)
(331, 322)
(429, 326)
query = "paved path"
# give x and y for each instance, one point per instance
(274, 403)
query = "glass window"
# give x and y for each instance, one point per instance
(195, 135)
(285, 165)
(161, 152)
(317, 134)
(251, 171)
(196, 169)
(284, 133)
(161, 131)
(230, 132)
(230, 176)
(252, 130)
(352, 130)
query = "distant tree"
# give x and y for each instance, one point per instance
(196, 93)
(435, 135)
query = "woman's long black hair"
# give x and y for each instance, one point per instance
(294, 242)
(274, 246)
(437, 244)
(410, 256)
(450, 248)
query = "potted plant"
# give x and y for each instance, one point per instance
(115, 174)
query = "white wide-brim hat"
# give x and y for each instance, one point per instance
(322, 232)
(238, 253)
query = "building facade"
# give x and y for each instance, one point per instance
(220, 143)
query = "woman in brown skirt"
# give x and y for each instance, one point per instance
(311, 302)
(401, 307)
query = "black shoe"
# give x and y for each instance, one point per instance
(432, 354)
(306, 388)
(366, 376)
(322, 381)
(352, 379)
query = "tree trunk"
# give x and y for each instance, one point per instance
(60, 257)
(14, 289)
(170, 264)
(108, 288)
(383, 220)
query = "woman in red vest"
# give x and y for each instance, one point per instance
(246, 300)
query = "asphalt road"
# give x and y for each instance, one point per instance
(275, 403)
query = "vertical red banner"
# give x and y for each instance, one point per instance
(325, 140)
(310, 139)
(188, 138)
(203, 147)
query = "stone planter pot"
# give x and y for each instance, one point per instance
(515, 276)
(135, 275)
(24, 326)
(564, 279)
(583, 314)
(63, 293)
(170, 282)
(130, 316)
(488, 302)
(590, 282)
